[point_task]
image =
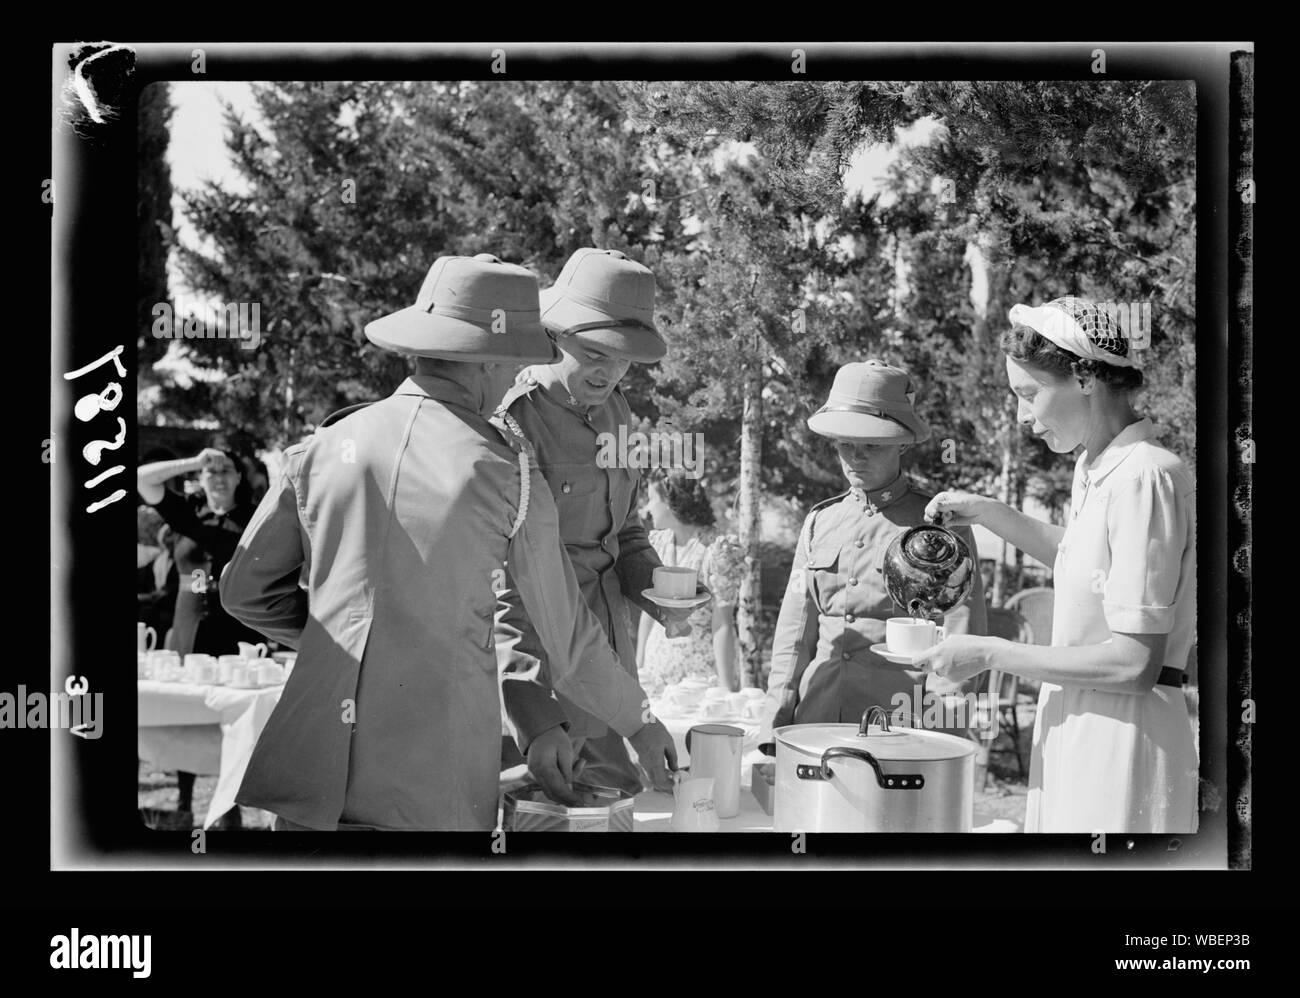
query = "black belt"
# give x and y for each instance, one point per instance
(1169, 676)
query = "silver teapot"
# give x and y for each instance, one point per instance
(928, 570)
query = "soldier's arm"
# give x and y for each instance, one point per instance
(259, 586)
(792, 645)
(576, 658)
(521, 660)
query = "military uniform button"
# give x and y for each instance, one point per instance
(566, 488)
(846, 656)
(853, 581)
(858, 544)
(849, 618)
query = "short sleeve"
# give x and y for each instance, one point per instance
(661, 541)
(725, 568)
(1150, 532)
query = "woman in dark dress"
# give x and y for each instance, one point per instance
(207, 527)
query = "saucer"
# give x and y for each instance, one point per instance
(676, 602)
(883, 651)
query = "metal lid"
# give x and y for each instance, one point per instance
(900, 744)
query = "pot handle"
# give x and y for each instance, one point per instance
(886, 781)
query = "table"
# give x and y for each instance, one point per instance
(654, 812)
(202, 729)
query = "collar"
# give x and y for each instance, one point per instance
(546, 378)
(445, 388)
(1116, 451)
(877, 499)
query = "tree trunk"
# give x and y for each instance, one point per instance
(751, 493)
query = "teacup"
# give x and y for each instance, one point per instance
(686, 697)
(195, 661)
(737, 702)
(673, 582)
(910, 636)
(715, 693)
(265, 672)
(753, 710)
(164, 665)
(251, 651)
(240, 674)
(716, 708)
(226, 667)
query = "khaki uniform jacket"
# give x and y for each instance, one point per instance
(606, 542)
(835, 608)
(401, 514)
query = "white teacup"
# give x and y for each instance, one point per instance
(716, 708)
(243, 674)
(737, 702)
(909, 636)
(712, 693)
(163, 665)
(226, 667)
(251, 651)
(753, 710)
(265, 672)
(673, 582)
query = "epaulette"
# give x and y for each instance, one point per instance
(343, 413)
(824, 504)
(517, 391)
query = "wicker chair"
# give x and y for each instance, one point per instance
(1035, 605)
(1003, 687)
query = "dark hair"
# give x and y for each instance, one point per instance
(684, 496)
(1027, 346)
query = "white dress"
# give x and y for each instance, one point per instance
(1113, 762)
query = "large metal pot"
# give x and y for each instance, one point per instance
(872, 778)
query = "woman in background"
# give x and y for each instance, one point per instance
(207, 526)
(685, 537)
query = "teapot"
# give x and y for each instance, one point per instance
(928, 570)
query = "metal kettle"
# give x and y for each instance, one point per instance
(928, 570)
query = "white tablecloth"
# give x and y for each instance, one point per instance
(202, 729)
(654, 812)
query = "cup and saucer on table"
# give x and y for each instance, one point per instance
(676, 588)
(256, 674)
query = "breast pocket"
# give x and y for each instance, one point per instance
(824, 575)
(579, 498)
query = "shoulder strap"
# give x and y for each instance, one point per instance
(812, 513)
(343, 413)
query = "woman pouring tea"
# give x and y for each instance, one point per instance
(1113, 746)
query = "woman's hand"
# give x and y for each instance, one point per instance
(957, 509)
(959, 657)
(206, 455)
